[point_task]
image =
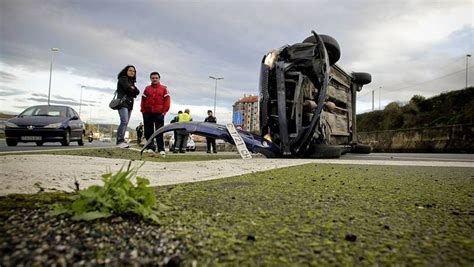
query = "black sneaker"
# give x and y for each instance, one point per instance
(175, 151)
(208, 152)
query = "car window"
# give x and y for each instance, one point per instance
(54, 111)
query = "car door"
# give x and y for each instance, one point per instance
(74, 124)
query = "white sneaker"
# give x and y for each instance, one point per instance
(123, 145)
(149, 150)
(163, 153)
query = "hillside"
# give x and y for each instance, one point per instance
(454, 107)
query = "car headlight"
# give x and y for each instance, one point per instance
(53, 125)
(10, 124)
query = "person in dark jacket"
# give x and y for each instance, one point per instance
(155, 103)
(211, 142)
(175, 135)
(139, 130)
(126, 90)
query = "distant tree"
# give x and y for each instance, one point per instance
(370, 121)
(393, 116)
(410, 113)
(454, 107)
(417, 99)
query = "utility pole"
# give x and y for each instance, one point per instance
(80, 101)
(372, 100)
(467, 58)
(54, 49)
(215, 91)
(380, 96)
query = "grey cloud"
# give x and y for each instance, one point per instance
(7, 77)
(65, 98)
(186, 41)
(8, 91)
(99, 89)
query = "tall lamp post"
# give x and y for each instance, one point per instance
(467, 58)
(215, 91)
(380, 96)
(80, 101)
(51, 71)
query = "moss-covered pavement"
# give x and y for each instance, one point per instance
(315, 214)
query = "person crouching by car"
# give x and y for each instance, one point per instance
(155, 103)
(211, 142)
(126, 90)
(182, 136)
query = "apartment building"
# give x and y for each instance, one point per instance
(245, 113)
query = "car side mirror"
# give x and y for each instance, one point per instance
(74, 118)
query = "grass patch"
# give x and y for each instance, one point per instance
(129, 154)
(320, 215)
(312, 214)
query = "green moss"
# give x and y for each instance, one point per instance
(407, 215)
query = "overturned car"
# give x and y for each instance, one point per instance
(306, 104)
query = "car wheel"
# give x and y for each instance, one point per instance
(81, 141)
(363, 149)
(39, 143)
(361, 78)
(11, 142)
(67, 139)
(322, 151)
(331, 44)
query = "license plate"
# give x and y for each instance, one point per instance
(31, 138)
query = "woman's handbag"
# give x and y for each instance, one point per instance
(116, 103)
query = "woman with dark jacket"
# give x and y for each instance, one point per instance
(126, 89)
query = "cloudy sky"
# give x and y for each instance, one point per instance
(409, 46)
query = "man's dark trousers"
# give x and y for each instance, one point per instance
(211, 142)
(153, 122)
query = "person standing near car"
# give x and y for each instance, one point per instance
(127, 91)
(139, 130)
(182, 136)
(211, 142)
(175, 135)
(155, 103)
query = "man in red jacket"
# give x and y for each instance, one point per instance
(155, 103)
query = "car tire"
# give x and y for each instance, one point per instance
(361, 78)
(81, 141)
(66, 139)
(331, 44)
(362, 149)
(322, 151)
(39, 143)
(11, 142)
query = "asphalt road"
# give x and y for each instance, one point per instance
(24, 147)
(21, 147)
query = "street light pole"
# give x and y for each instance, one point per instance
(380, 95)
(80, 101)
(51, 71)
(467, 58)
(215, 91)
